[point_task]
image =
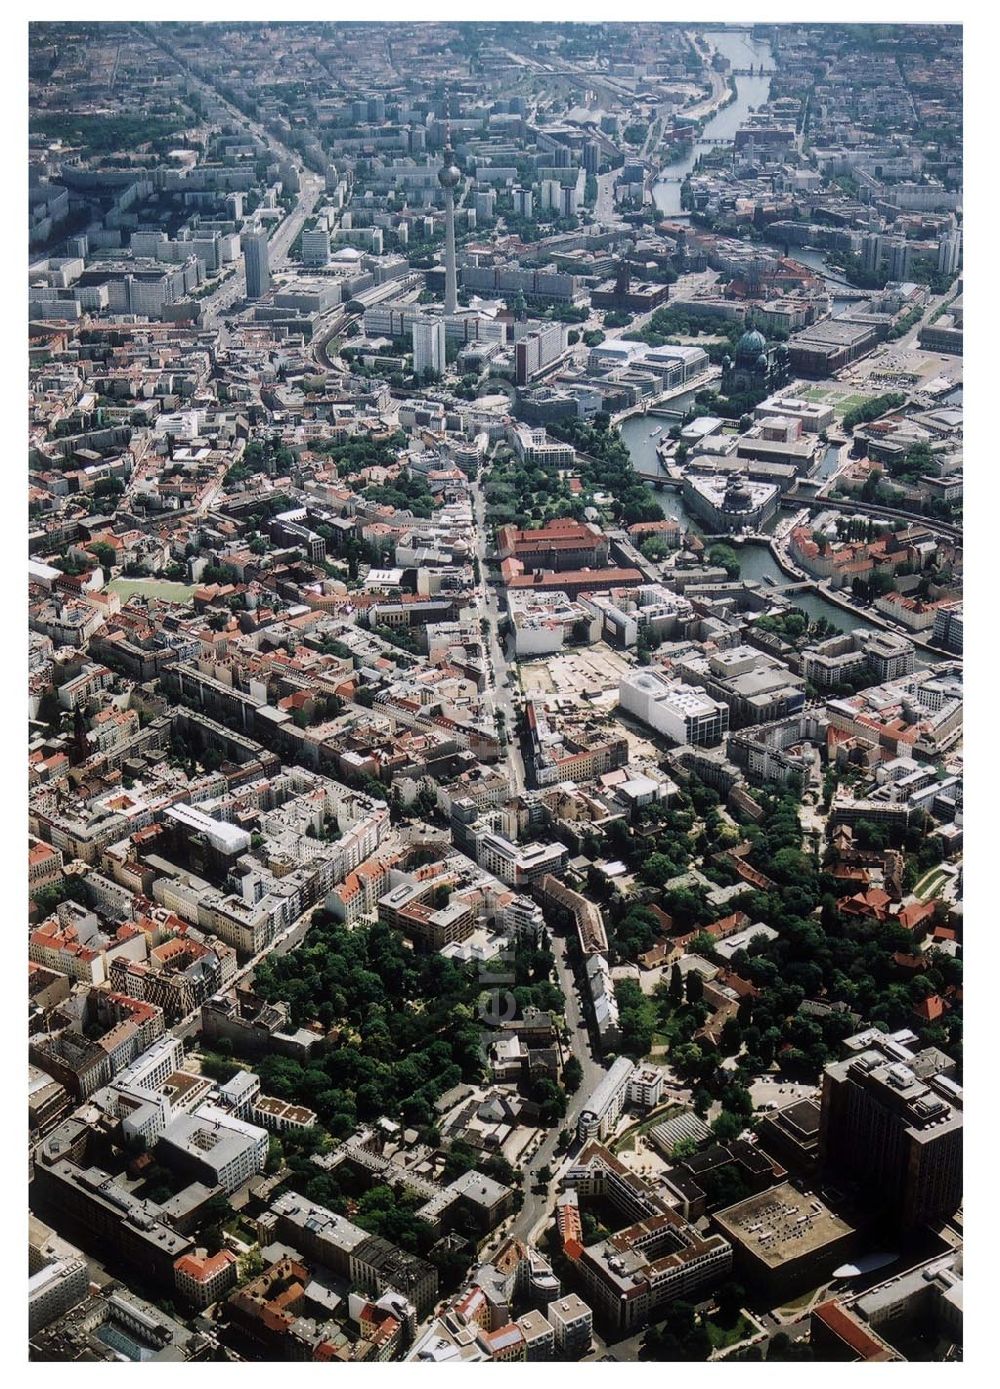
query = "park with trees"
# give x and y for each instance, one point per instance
(826, 974)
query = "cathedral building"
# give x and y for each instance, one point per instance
(757, 369)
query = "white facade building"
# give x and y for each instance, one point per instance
(680, 712)
(428, 346)
(572, 1322)
(601, 1112)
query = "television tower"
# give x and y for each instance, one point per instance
(449, 177)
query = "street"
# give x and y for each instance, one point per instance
(500, 699)
(310, 185)
(498, 692)
(537, 1205)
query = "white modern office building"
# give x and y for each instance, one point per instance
(680, 712)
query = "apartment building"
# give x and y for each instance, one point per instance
(313, 1230)
(428, 346)
(378, 1266)
(603, 1108)
(535, 446)
(645, 1087)
(538, 1336)
(631, 1275)
(561, 543)
(406, 908)
(756, 687)
(213, 1147)
(58, 1278)
(538, 350)
(99, 1211)
(838, 659)
(572, 1324)
(202, 1279)
(280, 1116)
(256, 260)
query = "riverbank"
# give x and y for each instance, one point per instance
(863, 616)
(657, 405)
(877, 620)
(743, 52)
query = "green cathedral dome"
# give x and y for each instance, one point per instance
(750, 346)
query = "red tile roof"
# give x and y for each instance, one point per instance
(850, 1331)
(931, 1008)
(205, 1268)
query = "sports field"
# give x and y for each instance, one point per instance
(152, 588)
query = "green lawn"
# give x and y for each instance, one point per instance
(848, 402)
(840, 403)
(929, 883)
(722, 1336)
(152, 588)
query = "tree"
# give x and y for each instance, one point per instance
(105, 556)
(726, 558)
(50, 711)
(213, 1239)
(658, 870)
(730, 1299)
(727, 1126)
(637, 1018)
(871, 409)
(71, 889)
(680, 1336)
(676, 989)
(684, 1148)
(725, 1185)
(730, 1038)
(694, 986)
(782, 1347)
(654, 547)
(870, 834)
(251, 1265)
(215, 1211)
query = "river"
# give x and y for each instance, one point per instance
(756, 561)
(816, 260)
(751, 92)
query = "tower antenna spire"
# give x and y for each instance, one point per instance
(449, 177)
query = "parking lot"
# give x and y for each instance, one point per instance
(584, 670)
